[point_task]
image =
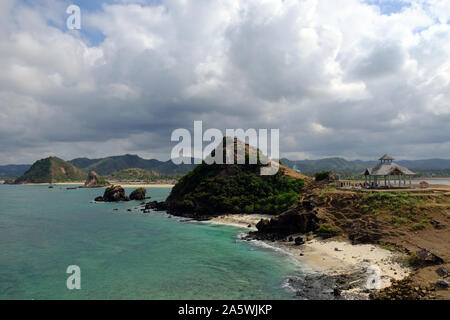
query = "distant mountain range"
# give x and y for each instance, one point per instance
(341, 165)
(106, 166)
(109, 165)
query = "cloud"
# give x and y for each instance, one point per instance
(338, 78)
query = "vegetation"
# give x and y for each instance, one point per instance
(235, 189)
(52, 170)
(322, 175)
(413, 260)
(141, 175)
(327, 231)
(109, 165)
(138, 194)
(403, 209)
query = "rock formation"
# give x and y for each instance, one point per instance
(113, 194)
(138, 194)
(95, 181)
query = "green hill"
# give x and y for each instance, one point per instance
(221, 188)
(134, 174)
(51, 170)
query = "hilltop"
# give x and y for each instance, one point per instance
(223, 188)
(51, 170)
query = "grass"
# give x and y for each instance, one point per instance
(327, 231)
(402, 209)
(413, 260)
(389, 246)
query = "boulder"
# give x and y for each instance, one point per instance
(443, 272)
(115, 194)
(443, 283)
(95, 181)
(299, 241)
(425, 257)
(99, 199)
(138, 194)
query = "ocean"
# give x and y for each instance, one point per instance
(126, 255)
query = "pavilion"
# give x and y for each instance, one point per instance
(387, 169)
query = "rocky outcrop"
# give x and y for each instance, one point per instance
(113, 194)
(138, 194)
(95, 181)
(214, 189)
(364, 232)
(424, 257)
(406, 289)
(155, 205)
(288, 223)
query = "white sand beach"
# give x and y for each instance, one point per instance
(331, 257)
(240, 220)
(338, 257)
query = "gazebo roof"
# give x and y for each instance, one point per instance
(386, 157)
(387, 169)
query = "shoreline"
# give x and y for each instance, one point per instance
(127, 185)
(329, 262)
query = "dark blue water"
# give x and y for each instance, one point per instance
(125, 255)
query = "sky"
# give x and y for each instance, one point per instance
(349, 78)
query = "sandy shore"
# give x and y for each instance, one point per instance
(332, 257)
(339, 257)
(118, 183)
(240, 220)
(147, 185)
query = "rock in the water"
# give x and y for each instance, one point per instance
(95, 181)
(99, 199)
(115, 194)
(138, 194)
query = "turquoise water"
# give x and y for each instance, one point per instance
(125, 255)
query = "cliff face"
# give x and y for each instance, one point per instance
(95, 181)
(51, 170)
(238, 188)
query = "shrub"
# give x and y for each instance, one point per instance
(326, 231)
(207, 189)
(413, 260)
(323, 175)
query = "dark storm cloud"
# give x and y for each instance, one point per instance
(338, 78)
